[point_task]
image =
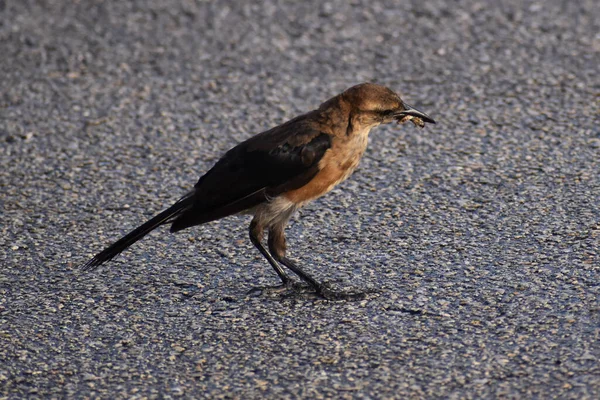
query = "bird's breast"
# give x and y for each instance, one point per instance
(337, 165)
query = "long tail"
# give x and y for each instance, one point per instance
(164, 217)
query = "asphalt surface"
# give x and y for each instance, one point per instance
(481, 233)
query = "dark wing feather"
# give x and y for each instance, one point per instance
(266, 165)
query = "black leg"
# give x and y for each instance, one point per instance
(298, 271)
(276, 256)
(257, 243)
(277, 249)
(321, 289)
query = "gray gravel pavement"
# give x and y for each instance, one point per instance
(481, 233)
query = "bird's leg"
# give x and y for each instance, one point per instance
(321, 289)
(256, 234)
(277, 247)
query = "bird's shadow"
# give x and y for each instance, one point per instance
(297, 290)
(183, 290)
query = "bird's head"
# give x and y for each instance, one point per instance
(375, 104)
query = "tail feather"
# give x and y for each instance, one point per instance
(114, 249)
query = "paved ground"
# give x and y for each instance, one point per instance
(482, 232)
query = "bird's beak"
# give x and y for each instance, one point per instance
(415, 116)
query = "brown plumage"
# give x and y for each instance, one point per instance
(276, 172)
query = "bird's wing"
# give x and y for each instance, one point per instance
(266, 165)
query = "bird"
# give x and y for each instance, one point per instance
(274, 173)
